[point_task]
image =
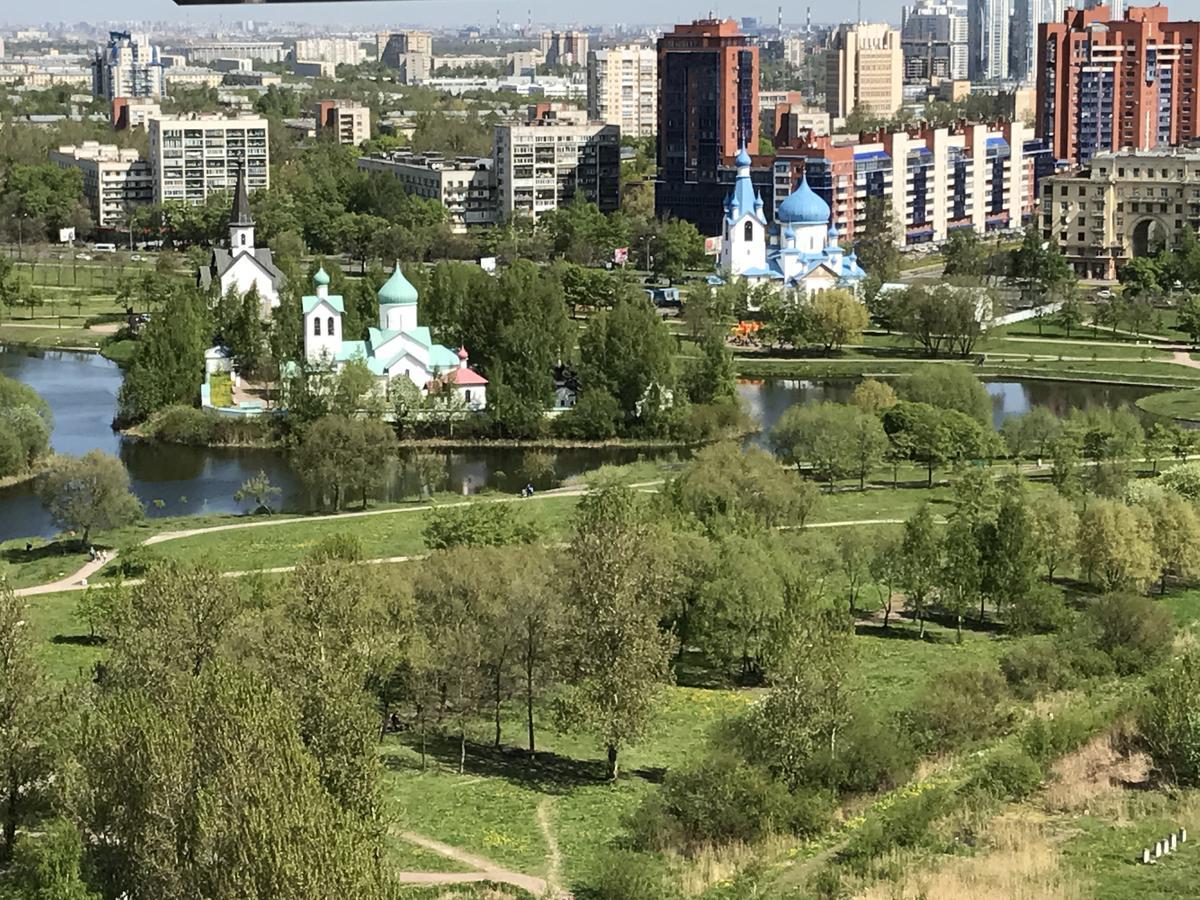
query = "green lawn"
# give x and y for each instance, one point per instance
(1175, 404)
(1073, 350)
(61, 641)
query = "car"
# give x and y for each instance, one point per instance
(135, 257)
(1104, 294)
(104, 248)
(83, 256)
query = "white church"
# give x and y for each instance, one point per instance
(398, 348)
(799, 251)
(243, 265)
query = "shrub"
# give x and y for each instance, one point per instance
(1040, 611)
(963, 706)
(1048, 739)
(183, 425)
(1134, 631)
(1182, 479)
(1009, 774)
(1170, 723)
(136, 561)
(904, 824)
(625, 875)
(872, 754)
(593, 417)
(1036, 667)
(339, 547)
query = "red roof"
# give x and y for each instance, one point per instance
(464, 377)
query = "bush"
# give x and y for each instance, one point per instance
(1009, 774)
(962, 706)
(905, 824)
(723, 798)
(337, 548)
(1041, 611)
(136, 561)
(1182, 479)
(1169, 722)
(593, 417)
(182, 425)
(1049, 739)
(1134, 631)
(871, 755)
(1033, 668)
(625, 875)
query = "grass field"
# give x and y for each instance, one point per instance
(1175, 404)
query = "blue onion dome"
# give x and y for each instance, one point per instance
(743, 158)
(397, 289)
(321, 279)
(803, 206)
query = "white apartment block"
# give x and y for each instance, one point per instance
(266, 51)
(545, 163)
(127, 67)
(623, 88)
(865, 67)
(193, 157)
(349, 122)
(115, 179)
(339, 51)
(462, 185)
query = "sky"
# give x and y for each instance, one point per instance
(447, 12)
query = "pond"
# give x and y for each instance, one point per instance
(81, 389)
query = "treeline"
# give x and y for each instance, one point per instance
(25, 426)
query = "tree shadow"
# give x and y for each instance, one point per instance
(695, 670)
(80, 640)
(54, 549)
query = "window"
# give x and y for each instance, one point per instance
(243, 240)
(748, 231)
(316, 326)
(329, 330)
(467, 392)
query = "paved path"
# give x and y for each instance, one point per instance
(484, 869)
(76, 581)
(1183, 358)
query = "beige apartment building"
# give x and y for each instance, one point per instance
(623, 88)
(408, 52)
(564, 48)
(115, 179)
(462, 185)
(193, 157)
(349, 122)
(1121, 205)
(339, 51)
(864, 67)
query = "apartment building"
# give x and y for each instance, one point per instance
(548, 161)
(193, 157)
(463, 185)
(932, 180)
(622, 88)
(115, 179)
(349, 122)
(408, 52)
(564, 48)
(128, 66)
(133, 112)
(339, 51)
(1106, 84)
(933, 39)
(864, 68)
(1122, 205)
(707, 111)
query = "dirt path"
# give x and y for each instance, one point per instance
(553, 856)
(1183, 358)
(484, 869)
(76, 581)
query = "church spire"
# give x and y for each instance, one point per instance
(241, 216)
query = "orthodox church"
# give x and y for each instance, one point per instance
(799, 251)
(243, 265)
(399, 347)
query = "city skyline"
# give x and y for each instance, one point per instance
(438, 13)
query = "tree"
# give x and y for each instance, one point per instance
(1038, 267)
(874, 396)
(29, 743)
(1167, 720)
(961, 574)
(88, 492)
(934, 436)
(965, 254)
(875, 245)
(855, 549)
(676, 246)
(46, 866)
(836, 440)
(1030, 434)
(1189, 317)
(1009, 553)
(626, 351)
(1071, 313)
(920, 561)
(260, 490)
(30, 434)
(478, 525)
(339, 456)
(950, 386)
(615, 592)
(887, 572)
(836, 317)
(1054, 523)
(1114, 545)
(1176, 537)
(168, 367)
(711, 377)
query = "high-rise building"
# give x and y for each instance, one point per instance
(989, 23)
(623, 88)
(463, 185)
(127, 67)
(348, 122)
(193, 157)
(933, 37)
(339, 51)
(115, 179)
(1027, 15)
(1105, 84)
(408, 52)
(1120, 206)
(933, 180)
(864, 68)
(707, 111)
(564, 48)
(545, 162)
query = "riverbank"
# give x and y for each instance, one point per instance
(1182, 406)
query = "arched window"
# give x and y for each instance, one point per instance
(243, 239)
(329, 330)
(316, 326)
(748, 231)
(467, 395)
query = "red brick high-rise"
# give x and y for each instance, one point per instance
(1106, 85)
(707, 111)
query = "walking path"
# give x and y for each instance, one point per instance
(1183, 358)
(484, 869)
